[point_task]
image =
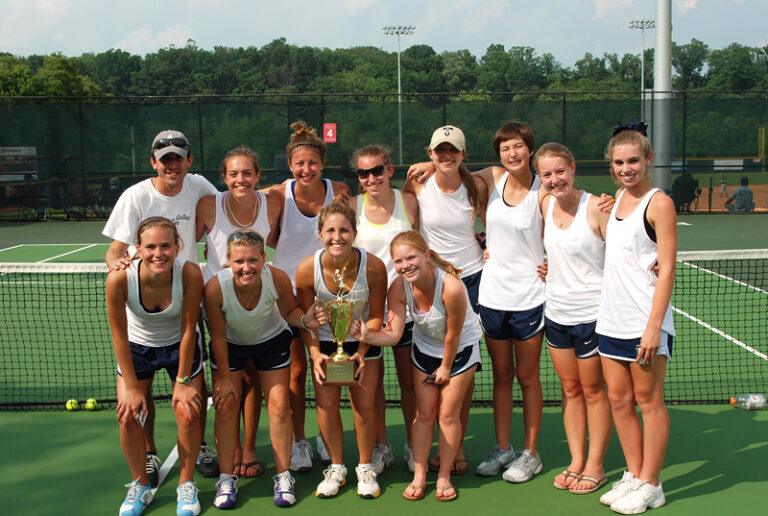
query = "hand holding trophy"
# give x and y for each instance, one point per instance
(339, 367)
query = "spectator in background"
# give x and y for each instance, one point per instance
(685, 191)
(723, 186)
(742, 198)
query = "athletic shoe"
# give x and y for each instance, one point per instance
(322, 451)
(301, 456)
(226, 492)
(367, 487)
(333, 479)
(637, 501)
(285, 496)
(495, 461)
(152, 467)
(627, 483)
(138, 497)
(523, 468)
(408, 456)
(206, 462)
(187, 503)
(382, 457)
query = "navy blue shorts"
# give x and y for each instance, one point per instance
(295, 332)
(579, 337)
(407, 338)
(509, 324)
(328, 347)
(269, 355)
(464, 359)
(626, 349)
(147, 360)
(472, 283)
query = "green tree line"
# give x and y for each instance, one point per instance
(280, 67)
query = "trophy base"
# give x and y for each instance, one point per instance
(340, 373)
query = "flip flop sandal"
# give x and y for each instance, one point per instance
(434, 463)
(440, 497)
(418, 492)
(460, 467)
(598, 483)
(256, 464)
(567, 474)
(236, 469)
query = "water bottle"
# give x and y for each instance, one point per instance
(749, 401)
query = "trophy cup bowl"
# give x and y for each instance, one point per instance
(339, 368)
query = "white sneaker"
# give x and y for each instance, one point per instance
(495, 461)
(382, 457)
(226, 492)
(627, 483)
(523, 468)
(637, 501)
(367, 487)
(408, 456)
(333, 479)
(322, 451)
(301, 456)
(187, 503)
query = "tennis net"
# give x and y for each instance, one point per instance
(56, 343)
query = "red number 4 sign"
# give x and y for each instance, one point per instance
(329, 133)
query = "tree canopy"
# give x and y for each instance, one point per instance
(280, 67)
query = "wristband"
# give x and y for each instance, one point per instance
(184, 380)
(303, 324)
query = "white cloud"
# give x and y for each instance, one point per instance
(686, 5)
(604, 7)
(143, 40)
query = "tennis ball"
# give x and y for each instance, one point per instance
(91, 404)
(71, 405)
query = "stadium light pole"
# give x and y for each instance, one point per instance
(399, 30)
(642, 25)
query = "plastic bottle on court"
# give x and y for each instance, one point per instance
(749, 401)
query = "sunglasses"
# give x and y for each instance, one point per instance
(249, 235)
(376, 171)
(162, 143)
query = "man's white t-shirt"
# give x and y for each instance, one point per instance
(142, 200)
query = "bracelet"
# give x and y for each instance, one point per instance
(184, 380)
(303, 324)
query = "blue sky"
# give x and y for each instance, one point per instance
(565, 28)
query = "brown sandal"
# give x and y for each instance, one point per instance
(417, 490)
(440, 495)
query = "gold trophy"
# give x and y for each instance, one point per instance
(339, 368)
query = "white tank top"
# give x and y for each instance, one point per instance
(375, 238)
(628, 279)
(448, 225)
(298, 233)
(359, 293)
(251, 327)
(154, 329)
(510, 279)
(222, 228)
(575, 276)
(429, 327)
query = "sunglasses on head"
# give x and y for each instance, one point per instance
(162, 143)
(376, 171)
(250, 235)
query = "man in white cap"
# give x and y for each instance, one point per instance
(172, 194)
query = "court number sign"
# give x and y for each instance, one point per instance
(329, 133)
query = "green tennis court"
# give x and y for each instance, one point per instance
(716, 458)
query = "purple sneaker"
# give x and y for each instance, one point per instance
(284, 493)
(226, 492)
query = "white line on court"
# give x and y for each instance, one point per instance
(9, 248)
(88, 246)
(721, 333)
(684, 224)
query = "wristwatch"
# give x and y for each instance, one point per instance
(184, 380)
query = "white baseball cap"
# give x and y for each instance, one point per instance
(450, 134)
(169, 141)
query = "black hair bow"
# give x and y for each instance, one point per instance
(632, 125)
